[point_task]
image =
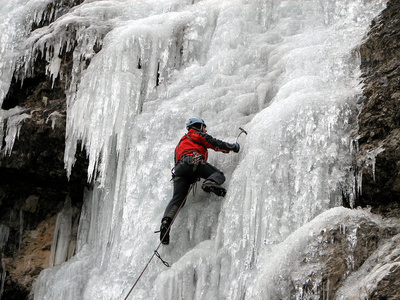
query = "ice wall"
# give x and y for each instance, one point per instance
(286, 71)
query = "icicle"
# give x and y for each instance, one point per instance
(3, 275)
(62, 235)
(359, 182)
(4, 233)
(351, 237)
(130, 84)
(12, 119)
(17, 19)
(53, 69)
(54, 117)
(371, 158)
(21, 227)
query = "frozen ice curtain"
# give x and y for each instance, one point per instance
(284, 70)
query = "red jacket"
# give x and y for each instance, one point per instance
(198, 142)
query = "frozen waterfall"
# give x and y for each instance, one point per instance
(287, 71)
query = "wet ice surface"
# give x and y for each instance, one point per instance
(286, 71)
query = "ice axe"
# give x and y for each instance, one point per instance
(241, 131)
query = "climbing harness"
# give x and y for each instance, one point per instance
(155, 253)
(195, 160)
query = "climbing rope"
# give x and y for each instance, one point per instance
(155, 253)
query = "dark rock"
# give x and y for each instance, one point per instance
(379, 120)
(336, 254)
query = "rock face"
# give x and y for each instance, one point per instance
(26, 262)
(335, 262)
(34, 186)
(378, 277)
(379, 120)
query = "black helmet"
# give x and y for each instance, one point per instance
(195, 123)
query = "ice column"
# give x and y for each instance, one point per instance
(4, 233)
(62, 244)
(12, 121)
(2, 277)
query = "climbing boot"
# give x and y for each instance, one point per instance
(211, 186)
(164, 230)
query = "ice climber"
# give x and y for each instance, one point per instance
(190, 164)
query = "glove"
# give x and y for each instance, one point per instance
(236, 147)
